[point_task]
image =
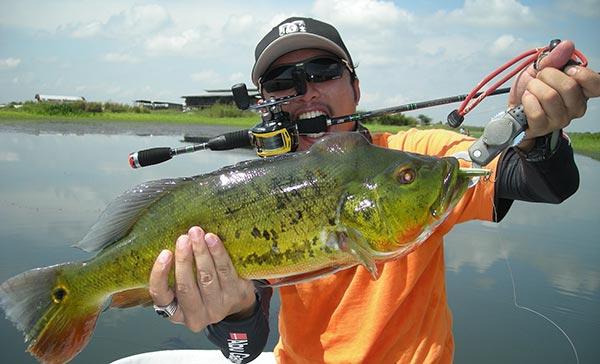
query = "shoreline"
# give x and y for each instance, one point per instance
(194, 131)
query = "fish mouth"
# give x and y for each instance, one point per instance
(455, 182)
(453, 188)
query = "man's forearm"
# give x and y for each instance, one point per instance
(551, 179)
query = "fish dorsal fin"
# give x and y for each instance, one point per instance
(123, 211)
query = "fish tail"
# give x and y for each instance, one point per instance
(56, 320)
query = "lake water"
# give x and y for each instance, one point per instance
(54, 186)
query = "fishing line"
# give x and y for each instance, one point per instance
(525, 308)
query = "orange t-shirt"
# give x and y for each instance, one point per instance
(403, 317)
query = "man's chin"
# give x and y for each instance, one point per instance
(306, 141)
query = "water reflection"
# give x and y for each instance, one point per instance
(53, 187)
(553, 253)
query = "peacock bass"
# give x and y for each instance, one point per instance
(287, 219)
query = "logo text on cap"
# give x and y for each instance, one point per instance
(295, 26)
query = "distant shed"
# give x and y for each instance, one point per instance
(58, 98)
(222, 96)
(157, 105)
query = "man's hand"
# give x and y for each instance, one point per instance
(207, 287)
(553, 98)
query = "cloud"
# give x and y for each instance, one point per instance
(139, 20)
(178, 42)
(86, 30)
(9, 63)
(120, 58)
(362, 13)
(585, 8)
(208, 77)
(489, 14)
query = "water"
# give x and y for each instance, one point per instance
(54, 186)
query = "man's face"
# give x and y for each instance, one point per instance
(332, 98)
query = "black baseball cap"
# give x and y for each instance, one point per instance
(297, 33)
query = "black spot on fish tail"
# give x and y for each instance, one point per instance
(59, 293)
(255, 232)
(266, 235)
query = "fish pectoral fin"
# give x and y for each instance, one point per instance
(131, 298)
(305, 277)
(356, 245)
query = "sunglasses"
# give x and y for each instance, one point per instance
(317, 69)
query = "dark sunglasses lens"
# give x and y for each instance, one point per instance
(324, 69)
(316, 70)
(278, 79)
(278, 85)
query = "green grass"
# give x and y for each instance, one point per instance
(217, 115)
(586, 144)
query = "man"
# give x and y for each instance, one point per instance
(403, 317)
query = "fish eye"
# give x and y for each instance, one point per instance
(405, 175)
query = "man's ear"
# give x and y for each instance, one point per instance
(356, 89)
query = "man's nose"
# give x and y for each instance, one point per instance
(312, 92)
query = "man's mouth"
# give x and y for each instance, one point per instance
(311, 115)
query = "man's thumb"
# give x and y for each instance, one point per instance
(559, 56)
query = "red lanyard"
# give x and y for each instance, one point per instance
(531, 57)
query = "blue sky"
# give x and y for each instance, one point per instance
(407, 51)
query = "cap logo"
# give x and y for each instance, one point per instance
(295, 26)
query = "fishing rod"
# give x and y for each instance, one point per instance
(277, 134)
(270, 137)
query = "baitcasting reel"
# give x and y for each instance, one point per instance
(276, 134)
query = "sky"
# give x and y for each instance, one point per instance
(406, 51)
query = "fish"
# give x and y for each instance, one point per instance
(287, 219)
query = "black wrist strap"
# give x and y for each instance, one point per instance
(544, 148)
(242, 341)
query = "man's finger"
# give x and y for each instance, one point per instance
(588, 79)
(233, 287)
(159, 289)
(188, 296)
(207, 275)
